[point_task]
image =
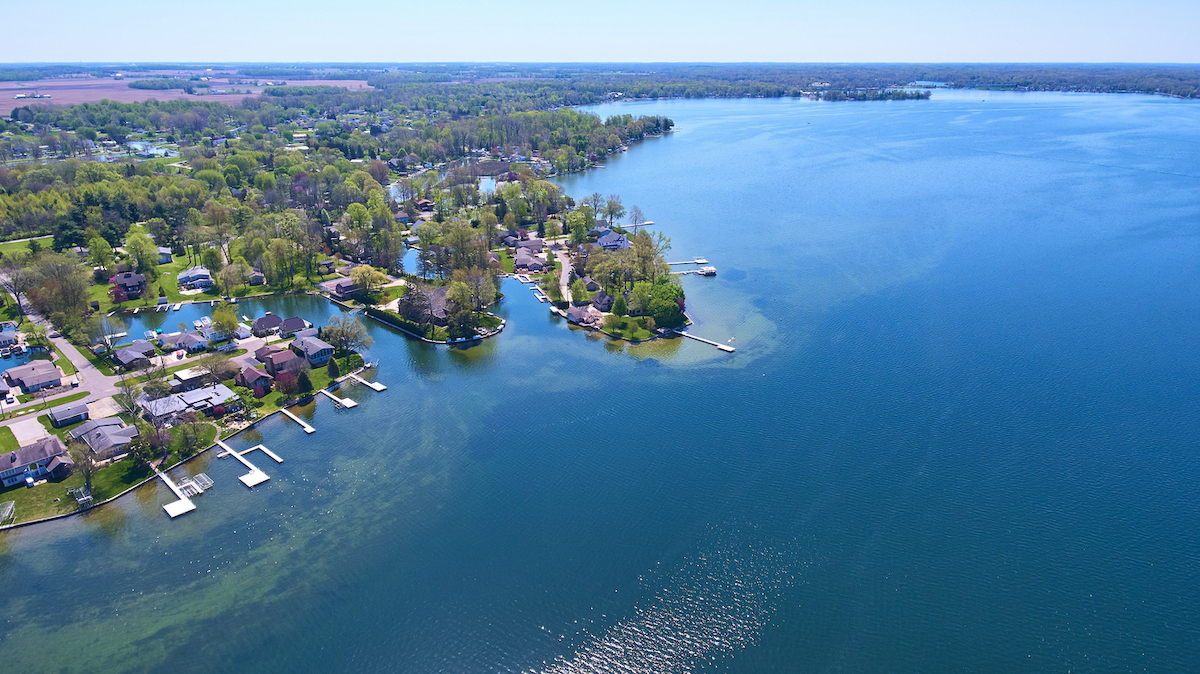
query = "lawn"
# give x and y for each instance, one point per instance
(506, 260)
(40, 501)
(8, 441)
(62, 361)
(630, 328)
(78, 395)
(320, 379)
(6, 248)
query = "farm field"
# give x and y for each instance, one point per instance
(69, 91)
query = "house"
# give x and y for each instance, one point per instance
(525, 259)
(265, 325)
(316, 350)
(424, 204)
(306, 332)
(164, 255)
(533, 245)
(590, 284)
(343, 288)
(403, 216)
(291, 326)
(613, 241)
(34, 375)
(68, 414)
(7, 339)
(326, 266)
(256, 380)
(188, 379)
(135, 356)
(281, 362)
(602, 301)
(199, 400)
(440, 306)
(510, 241)
(257, 278)
(106, 437)
(494, 259)
(47, 456)
(190, 341)
(598, 231)
(195, 277)
(261, 354)
(133, 284)
(584, 315)
(412, 241)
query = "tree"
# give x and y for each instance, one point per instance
(85, 462)
(225, 318)
(211, 259)
(595, 200)
(332, 369)
(635, 216)
(100, 254)
(613, 209)
(234, 276)
(157, 388)
(285, 382)
(579, 291)
(304, 381)
(143, 253)
(346, 333)
(368, 279)
(619, 307)
(18, 281)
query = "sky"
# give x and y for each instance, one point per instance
(862, 31)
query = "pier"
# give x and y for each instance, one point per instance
(373, 384)
(341, 402)
(255, 476)
(307, 429)
(723, 347)
(698, 260)
(176, 508)
(176, 307)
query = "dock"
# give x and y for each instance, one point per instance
(723, 347)
(255, 476)
(373, 384)
(176, 307)
(176, 508)
(307, 429)
(341, 402)
(540, 294)
(698, 260)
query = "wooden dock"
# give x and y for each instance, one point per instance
(343, 402)
(723, 347)
(373, 384)
(698, 260)
(176, 508)
(307, 429)
(255, 476)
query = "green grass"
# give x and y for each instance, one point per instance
(100, 362)
(506, 260)
(11, 246)
(67, 366)
(320, 379)
(8, 441)
(37, 502)
(78, 395)
(631, 328)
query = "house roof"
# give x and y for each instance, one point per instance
(208, 396)
(278, 358)
(602, 301)
(61, 459)
(250, 374)
(611, 238)
(265, 351)
(293, 324)
(32, 373)
(128, 355)
(268, 322)
(164, 251)
(68, 411)
(36, 451)
(185, 339)
(104, 434)
(129, 279)
(194, 273)
(311, 345)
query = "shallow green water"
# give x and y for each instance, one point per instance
(958, 433)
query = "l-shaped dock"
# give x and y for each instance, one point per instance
(255, 476)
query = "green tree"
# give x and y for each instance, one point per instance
(332, 369)
(100, 254)
(619, 307)
(304, 381)
(211, 259)
(225, 319)
(143, 253)
(85, 462)
(579, 291)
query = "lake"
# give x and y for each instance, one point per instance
(958, 433)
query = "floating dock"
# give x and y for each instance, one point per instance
(303, 424)
(176, 508)
(723, 347)
(698, 260)
(255, 476)
(342, 402)
(373, 384)
(176, 307)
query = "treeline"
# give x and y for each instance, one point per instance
(159, 83)
(875, 95)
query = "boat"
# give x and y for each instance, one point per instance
(7, 353)
(196, 324)
(708, 271)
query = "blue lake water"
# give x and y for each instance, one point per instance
(958, 433)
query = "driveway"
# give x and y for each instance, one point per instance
(28, 430)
